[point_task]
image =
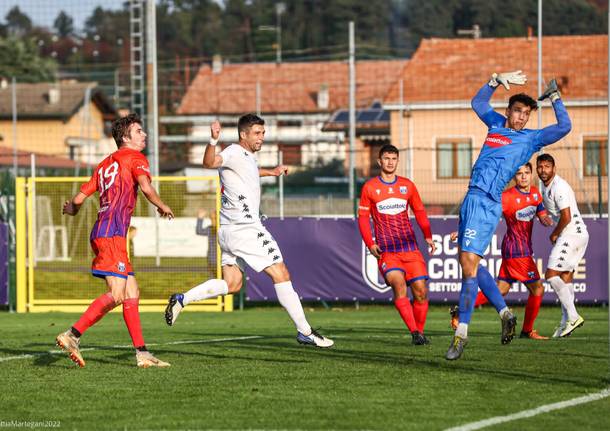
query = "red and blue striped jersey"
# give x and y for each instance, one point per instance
(387, 204)
(115, 178)
(519, 210)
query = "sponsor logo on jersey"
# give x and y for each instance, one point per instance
(518, 200)
(403, 190)
(495, 140)
(390, 191)
(144, 168)
(526, 214)
(392, 206)
(378, 191)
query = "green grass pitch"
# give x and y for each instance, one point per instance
(244, 370)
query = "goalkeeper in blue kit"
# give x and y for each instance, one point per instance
(508, 146)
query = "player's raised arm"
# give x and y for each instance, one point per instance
(419, 211)
(480, 102)
(153, 197)
(555, 132)
(211, 160)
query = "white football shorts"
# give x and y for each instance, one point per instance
(251, 244)
(568, 251)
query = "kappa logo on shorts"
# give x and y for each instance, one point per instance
(241, 197)
(260, 235)
(531, 274)
(265, 242)
(271, 250)
(276, 257)
(121, 266)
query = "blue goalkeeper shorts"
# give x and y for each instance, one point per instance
(479, 217)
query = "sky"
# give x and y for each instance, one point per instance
(44, 12)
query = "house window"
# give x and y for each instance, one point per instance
(595, 155)
(453, 158)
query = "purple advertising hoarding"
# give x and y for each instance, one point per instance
(4, 264)
(328, 261)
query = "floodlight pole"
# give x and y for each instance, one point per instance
(151, 81)
(352, 112)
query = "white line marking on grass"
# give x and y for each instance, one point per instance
(532, 412)
(171, 343)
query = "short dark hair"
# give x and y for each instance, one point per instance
(247, 121)
(545, 158)
(388, 148)
(529, 165)
(523, 98)
(120, 126)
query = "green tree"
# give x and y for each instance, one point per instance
(20, 58)
(17, 23)
(64, 24)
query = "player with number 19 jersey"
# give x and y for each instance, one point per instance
(115, 178)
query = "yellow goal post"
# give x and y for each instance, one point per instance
(54, 257)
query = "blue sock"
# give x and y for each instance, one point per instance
(468, 294)
(490, 288)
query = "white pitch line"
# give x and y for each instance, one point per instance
(532, 412)
(57, 352)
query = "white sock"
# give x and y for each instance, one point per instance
(563, 293)
(291, 302)
(462, 330)
(503, 311)
(209, 289)
(571, 290)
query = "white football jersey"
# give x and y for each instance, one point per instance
(241, 188)
(559, 195)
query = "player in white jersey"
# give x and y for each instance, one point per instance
(242, 237)
(569, 238)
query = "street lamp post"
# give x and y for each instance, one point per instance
(280, 8)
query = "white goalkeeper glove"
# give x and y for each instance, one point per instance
(551, 92)
(506, 78)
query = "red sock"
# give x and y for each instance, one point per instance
(403, 305)
(98, 309)
(420, 312)
(131, 315)
(531, 312)
(481, 299)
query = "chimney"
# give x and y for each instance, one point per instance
(216, 64)
(323, 98)
(54, 95)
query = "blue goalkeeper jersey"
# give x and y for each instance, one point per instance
(504, 149)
